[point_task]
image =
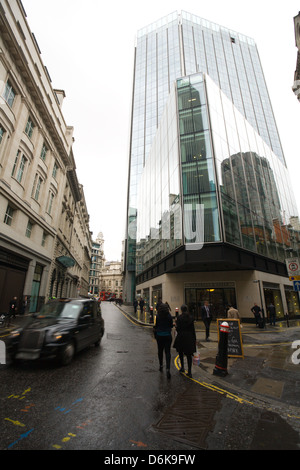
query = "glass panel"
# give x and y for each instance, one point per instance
(231, 220)
(246, 228)
(255, 179)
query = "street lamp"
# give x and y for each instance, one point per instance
(261, 302)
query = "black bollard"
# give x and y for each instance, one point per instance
(221, 359)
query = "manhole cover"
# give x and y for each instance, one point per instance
(191, 417)
(113, 336)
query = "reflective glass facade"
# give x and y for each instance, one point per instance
(159, 216)
(258, 208)
(206, 153)
(228, 157)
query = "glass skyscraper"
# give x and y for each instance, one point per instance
(206, 168)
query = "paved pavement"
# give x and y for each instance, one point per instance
(260, 395)
(269, 372)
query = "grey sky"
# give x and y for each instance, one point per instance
(88, 49)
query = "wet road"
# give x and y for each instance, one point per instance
(108, 398)
(113, 398)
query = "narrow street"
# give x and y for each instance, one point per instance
(113, 398)
(108, 398)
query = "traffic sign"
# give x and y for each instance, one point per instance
(293, 266)
(294, 278)
(296, 285)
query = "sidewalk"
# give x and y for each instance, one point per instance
(267, 375)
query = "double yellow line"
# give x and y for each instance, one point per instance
(214, 388)
(211, 387)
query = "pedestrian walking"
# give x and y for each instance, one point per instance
(142, 303)
(233, 313)
(206, 317)
(256, 310)
(163, 335)
(13, 307)
(272, 314)
(135, 305)
(185, 341)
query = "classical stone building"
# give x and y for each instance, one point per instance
(111, 279)
(97, 263)
(296, 85)
(45, 242)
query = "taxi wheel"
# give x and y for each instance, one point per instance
(67, 354)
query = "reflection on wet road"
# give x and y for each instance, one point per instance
(108, 398)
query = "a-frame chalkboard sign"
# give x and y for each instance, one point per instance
(235, 342)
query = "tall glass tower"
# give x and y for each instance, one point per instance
(178, 46)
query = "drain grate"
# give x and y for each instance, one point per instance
(191, 417)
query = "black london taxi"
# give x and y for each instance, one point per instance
(62, 328)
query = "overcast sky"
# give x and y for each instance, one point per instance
(88, 47)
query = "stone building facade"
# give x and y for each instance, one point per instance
(97, 264)
(45, 242)
(296, 85)
(111, 279)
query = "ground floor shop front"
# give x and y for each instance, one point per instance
(30, 278)
(23, 276)
(238, 288)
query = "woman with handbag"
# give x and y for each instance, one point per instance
(163, 335)
(185, 341)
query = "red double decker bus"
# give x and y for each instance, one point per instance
(107, 296)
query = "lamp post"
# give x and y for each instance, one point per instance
(261, 302)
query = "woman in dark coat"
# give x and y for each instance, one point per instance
(163, 335)
(185, 341)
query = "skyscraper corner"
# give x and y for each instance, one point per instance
(210, 207)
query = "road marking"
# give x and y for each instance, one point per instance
(16, 423)
(214, 388)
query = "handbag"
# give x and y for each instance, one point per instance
(196, 358)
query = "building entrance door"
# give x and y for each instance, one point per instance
(11, 285)
(218, 299)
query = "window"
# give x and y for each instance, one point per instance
(28, 229)
(36, 188)
(15, 163)
(9, 94)
(55, 168)
(29, 127)
(21, 169)
(44, 238)
(50, 202)
(2, 131)
(43, 152)
(8, 215)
